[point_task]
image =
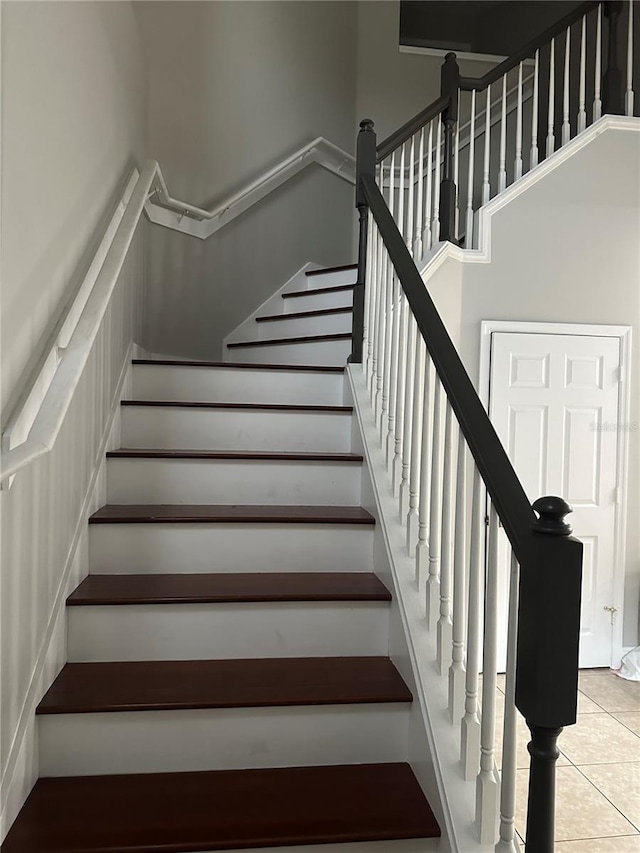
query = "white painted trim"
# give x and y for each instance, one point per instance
(10, 785)
(487, 58)
(623, 334)
(197, 222)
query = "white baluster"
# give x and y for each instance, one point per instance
(533, 157)
(435, 223)
(507, 836)
(377, 320)
(416, 445)
(444, 637)
(470, 730)
(412, 178)
(486, 186)
(401, 368)
(487, 784)
(551, 140)
(382, 317)
(427, 470)
(386, 410)
(582, 110)
(401, 187)
(502, 172)
(428, 203)
(412, 331)
(393, 369)
(597, 101)
(456, 169)
(366, 317)
(456, 670)
(628, 98)
(418, 248)
(468, 240)
(566, 125)
(517, 167)
(432, 591)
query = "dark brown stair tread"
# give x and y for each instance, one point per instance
(314, 292)
(232, 587)
(278, 407)
(192, 684)
(321, 312)
(229, 513)
(303, 339)
(228, 455)
(309, 368)
(173, 813)
(325, 270)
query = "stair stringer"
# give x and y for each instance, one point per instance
(434, 744)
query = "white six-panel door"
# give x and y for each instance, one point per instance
(554, 403)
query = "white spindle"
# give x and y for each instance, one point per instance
(517, 167)
(502, 172)
(628, 99)
(432, 591)
(486, 186)
(468, 240)
(456, 170)
(412, 178)
(456, 670)
(400, 219)
(533, 157)
(470, 730)
(382, 324)
(444, 637)
(407, 438)
(507, 837)
(487, 784)
(400, 377)
(416, 445)
(418, 248)
(427, 470)
(428, 204)
(435, 223)
(387, 411)
(393, 369)
(597, 101)
(566, 125)
(582, 110)
(366, 319)
(551, 141)
(376, 385)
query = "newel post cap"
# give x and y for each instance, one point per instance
(366, 124)
(551, 512)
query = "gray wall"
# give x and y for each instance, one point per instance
(233, 89)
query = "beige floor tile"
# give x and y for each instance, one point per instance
(581, 810)
(620, 783)
(630, 719)
(621, 844)
(610, 691)
(587, 706)
(599, 739)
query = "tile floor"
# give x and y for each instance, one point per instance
(598, 775)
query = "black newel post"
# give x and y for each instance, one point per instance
(365, 167)
(612, 82)
(449, 87)
(547, 663)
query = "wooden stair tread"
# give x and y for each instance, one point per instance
(229, 587)
(302, 339)
(197, 404)
(321, 312)
(314, 291)
(228, 455)
(170, 362)
(174, 813)
(192, 684)
(325, 270)
(190, 513)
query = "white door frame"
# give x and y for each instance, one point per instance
(623, 333)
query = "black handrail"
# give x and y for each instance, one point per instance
(412, 126)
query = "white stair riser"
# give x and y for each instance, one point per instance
(193, 481)
(325, 324)
(235, 429)
(229, 385)
(332, 279)
(221, 739)
(170, 548)
(245, 630)
(318, 301)
(333, 353)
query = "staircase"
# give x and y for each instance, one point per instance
(228, 684)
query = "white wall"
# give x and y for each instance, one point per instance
(233, 89)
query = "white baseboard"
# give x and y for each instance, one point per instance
(21, 771)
